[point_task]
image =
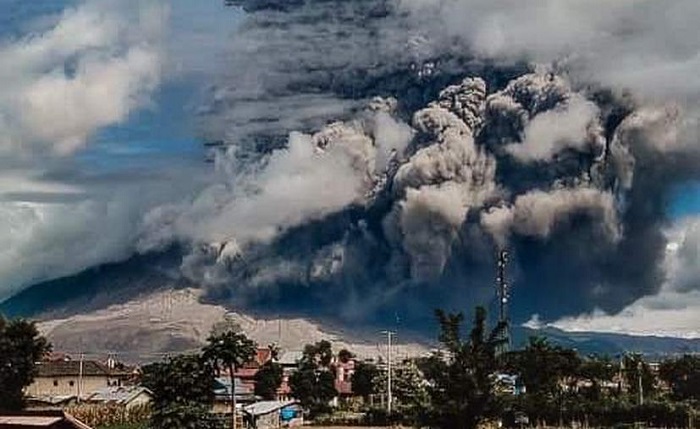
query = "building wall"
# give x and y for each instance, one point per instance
(268, 421)
(44, 386)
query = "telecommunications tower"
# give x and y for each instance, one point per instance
(503, 296)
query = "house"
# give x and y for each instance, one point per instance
(273, 414)
(40, 420)
(508, 384)
(64, 378)
(124, 396)
(343, 376)
(222, 394)
(290, 360)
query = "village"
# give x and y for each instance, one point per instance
(275, 388)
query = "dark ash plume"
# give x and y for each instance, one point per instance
(398, 203)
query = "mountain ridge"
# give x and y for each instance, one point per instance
(149, 311)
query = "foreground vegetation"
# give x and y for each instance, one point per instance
(466, 384)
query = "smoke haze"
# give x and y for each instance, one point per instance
(371, 156)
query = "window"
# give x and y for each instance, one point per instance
(71, 383)
(55, 383)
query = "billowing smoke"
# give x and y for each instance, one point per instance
(372, 155)
(429, 142)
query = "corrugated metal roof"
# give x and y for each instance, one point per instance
(29, 420)
(265, 407)
(119, 395)
(222, 387)
(291, 357)
(70, 368)
(39, 419)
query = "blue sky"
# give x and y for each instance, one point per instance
(166, 129)
(685, 201)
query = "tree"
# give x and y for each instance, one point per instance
(231, 350)
(344, 355)
(313, 384)
(182, 389)
(21, 347)
(365, 379)
(683, 376)
(409, 390)
(268, 380)
(319, 354)
(596, 370)
(543, 368)
(460, 381)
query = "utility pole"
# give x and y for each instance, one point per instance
(80, 376)
(389, 397)
(640, 367)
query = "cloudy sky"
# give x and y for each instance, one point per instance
(99, 137)
(96, 125)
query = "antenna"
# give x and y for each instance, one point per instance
(503, 297)
(390, 399)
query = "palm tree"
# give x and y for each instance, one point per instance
(230, 350)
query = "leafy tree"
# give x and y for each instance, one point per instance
(596, 370)
(313, 384)
(21, 347)
(230, 350)
(365, 379)
(541, 366)
(318, 355)
(544, 369)
(409, 390)
(683, 376)
(183, 393)
(268, 380)
(345, 355)
(461, 386)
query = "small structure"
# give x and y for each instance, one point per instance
(63, 378)
(344, 371)
(53, 419)
(273, 415)
(222, 394)
(290, 359)
(124, 396)
(49, 402)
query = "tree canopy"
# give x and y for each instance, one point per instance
(313, 384)
(183, 392)
(21, 346)
(461, 387)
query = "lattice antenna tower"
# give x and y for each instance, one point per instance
(503, 295)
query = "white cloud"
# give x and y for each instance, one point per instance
(53, 229)
(648, 46)
(91, 68)
(87, 68)
(673, 311)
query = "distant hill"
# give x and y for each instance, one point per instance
(610, 344)
(134, 301)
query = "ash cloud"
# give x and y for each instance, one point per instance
(512, 126)
(374, 154)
